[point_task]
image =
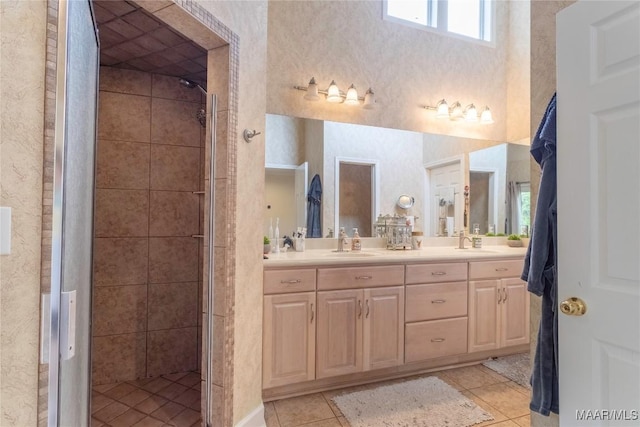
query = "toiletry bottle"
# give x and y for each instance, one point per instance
(356, 244)
(277, 235)
(271, 228)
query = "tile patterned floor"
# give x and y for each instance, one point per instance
(507, 401)
(169, 400)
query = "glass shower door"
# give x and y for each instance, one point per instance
(72, 226)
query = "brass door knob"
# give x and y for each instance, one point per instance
(573, 307)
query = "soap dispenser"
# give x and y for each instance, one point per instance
(356, 244)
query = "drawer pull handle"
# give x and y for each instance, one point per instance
(290, 282)
(439, 273)
(437, 340)
(359, 309)
(502, 269)
(499, 296)
(505, 295)
(367, 304)
(312, 313)
(438, 301)
(363, 277)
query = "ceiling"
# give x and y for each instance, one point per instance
(132, 38)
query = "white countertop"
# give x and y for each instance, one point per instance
(369, 256)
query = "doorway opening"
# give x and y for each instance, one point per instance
(357, 195)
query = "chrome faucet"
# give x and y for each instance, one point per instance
(462, 238)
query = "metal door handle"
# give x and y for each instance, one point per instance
(573, 306)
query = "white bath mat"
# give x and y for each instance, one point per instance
(516, 367)
(426, 402)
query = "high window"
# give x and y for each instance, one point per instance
(467, 18)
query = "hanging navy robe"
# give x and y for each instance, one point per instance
(314, 208)
(540, 268)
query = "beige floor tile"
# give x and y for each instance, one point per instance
(519, 388)
(135, 397)
(508, 423)
(99, 401)
(497, 415)
(331, 422)
(156, 385)
(190, 380)
(344, 422)
(127, 419)
(523, 421)
(172, 391)
(96, 423)
(303, 410)
(491, 372)
(119, 391)
(149, 422)
(507, 400)
(151, 404)
(185, 418)
(110, 411)
(167, 411)
(270, 416)
(104, 387)
(470, 377)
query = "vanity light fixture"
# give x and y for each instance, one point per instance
(334, 95)
(456, 112)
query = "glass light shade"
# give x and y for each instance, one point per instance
(470, 113)
(333, 93)
(352, 96)
(369, 99)
(312, 91)
(442, 109)
(486, 117)
(456, 111)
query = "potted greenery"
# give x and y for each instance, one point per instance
(514, 240)
(267, 245)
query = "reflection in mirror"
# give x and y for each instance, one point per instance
(405, 201)
(356, 191)
(429, 167)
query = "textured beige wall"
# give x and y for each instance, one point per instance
(248, 19)
(543, 85)
(22, 93)
(407, 67)
(518, 70)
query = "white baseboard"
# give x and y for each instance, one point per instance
(254, 418)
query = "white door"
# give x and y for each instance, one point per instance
(301, 183)
(446, 184)
(598, 51)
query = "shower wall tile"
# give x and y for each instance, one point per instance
(122, 164)
(218, 75)
(174, 168)
(119, 309)
(220, 281)
(125, 81)
(173, 305)
(221, 214)
(173, 213)
(217, 353)
(173, 259)
(118, 358)
(173, 122)
(120, 261)
(172, 350)
(121, 213)
(124, 117)
(221, 155)
(170, 88)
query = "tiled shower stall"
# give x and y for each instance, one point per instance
(147, 299)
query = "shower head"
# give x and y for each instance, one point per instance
(191, 84)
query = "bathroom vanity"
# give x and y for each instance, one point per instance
(339, 319)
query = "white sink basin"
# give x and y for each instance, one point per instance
(350, 254)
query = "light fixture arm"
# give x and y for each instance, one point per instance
(325, 93)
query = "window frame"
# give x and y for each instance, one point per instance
(441, 20)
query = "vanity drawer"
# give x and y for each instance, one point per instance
(495, 269)
(360, 277)
(285, 281)
(436, 273)
(436, 301)
(435, 338)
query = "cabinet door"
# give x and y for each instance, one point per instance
(339, 344)
(483, 315)
(383, 343)
(514, 312)
(289, 339)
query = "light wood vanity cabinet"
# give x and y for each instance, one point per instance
(359, 329)
(436, 311)
(289, 327)
(498, 305)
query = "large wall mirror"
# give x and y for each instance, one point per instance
(363, 170)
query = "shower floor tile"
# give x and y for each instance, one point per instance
(172, 400)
